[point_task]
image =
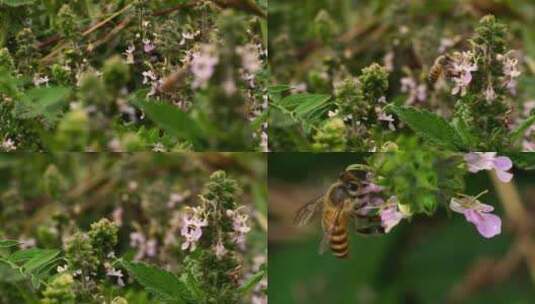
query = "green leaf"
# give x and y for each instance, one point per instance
(171, 119)
(8, 243)
(303, 102)
(41, 258)
(251, 282)
(15, 3)
(468, 138)
(22, 256)
(162, 283)
(429, 126)
(42, 102)
(518, 133)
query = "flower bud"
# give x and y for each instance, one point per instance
(60, 290)
(331, 136)
(103, 236)
(73, 131)
(116, 74)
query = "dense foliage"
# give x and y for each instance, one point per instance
(133, 75)
(364, 76)
(141, 228)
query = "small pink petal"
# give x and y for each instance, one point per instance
(488, 225)
(504, 176)
(503, 163)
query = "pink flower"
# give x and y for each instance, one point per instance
(240, 226)
(203, 65)
(390, 217)
(487, 224)
(510, 71)
(478, 161)
(192, 224)
(148, 46)
(462, 66)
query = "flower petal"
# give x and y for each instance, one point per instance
(487, 224)
(503, 163)
(456, 206)
(504, 176)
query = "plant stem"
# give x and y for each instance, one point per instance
(512, 203)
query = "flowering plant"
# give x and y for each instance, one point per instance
(133, 75)
(395, 191)
(147, 228)
(395, 74)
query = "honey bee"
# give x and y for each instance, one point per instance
(339, 206)
(438, 68)
(173, 81)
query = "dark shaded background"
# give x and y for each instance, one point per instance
(439, 259)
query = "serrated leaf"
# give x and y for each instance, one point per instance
(171, 119)
(42, 102)
(251, 282)
(159, 282)
(429, 126)
(464, 132)
(14, 3)
(518, 133)
(41, 259)
(303, 101)
(8, 243)
(22, 256)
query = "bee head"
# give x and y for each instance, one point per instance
(351, 181)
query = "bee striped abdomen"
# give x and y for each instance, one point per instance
(338, 242)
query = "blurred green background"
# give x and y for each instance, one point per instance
(439, 259)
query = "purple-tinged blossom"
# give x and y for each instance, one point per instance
(478, 161)
(240, 226)
(417, 92)
(203, 65)
(477, 213)
(391, 214)
(510, 71)
(192, 224)
(462, 66)
(148, 46)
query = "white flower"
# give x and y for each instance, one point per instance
(130, 54)
(8, 145)
(220, 249)
(149, 76)
(61, 269)
(38, 80)
(489, 94)
(116, 273)
(158, 147)
(264, 142)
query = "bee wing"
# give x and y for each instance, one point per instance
(307, 212)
